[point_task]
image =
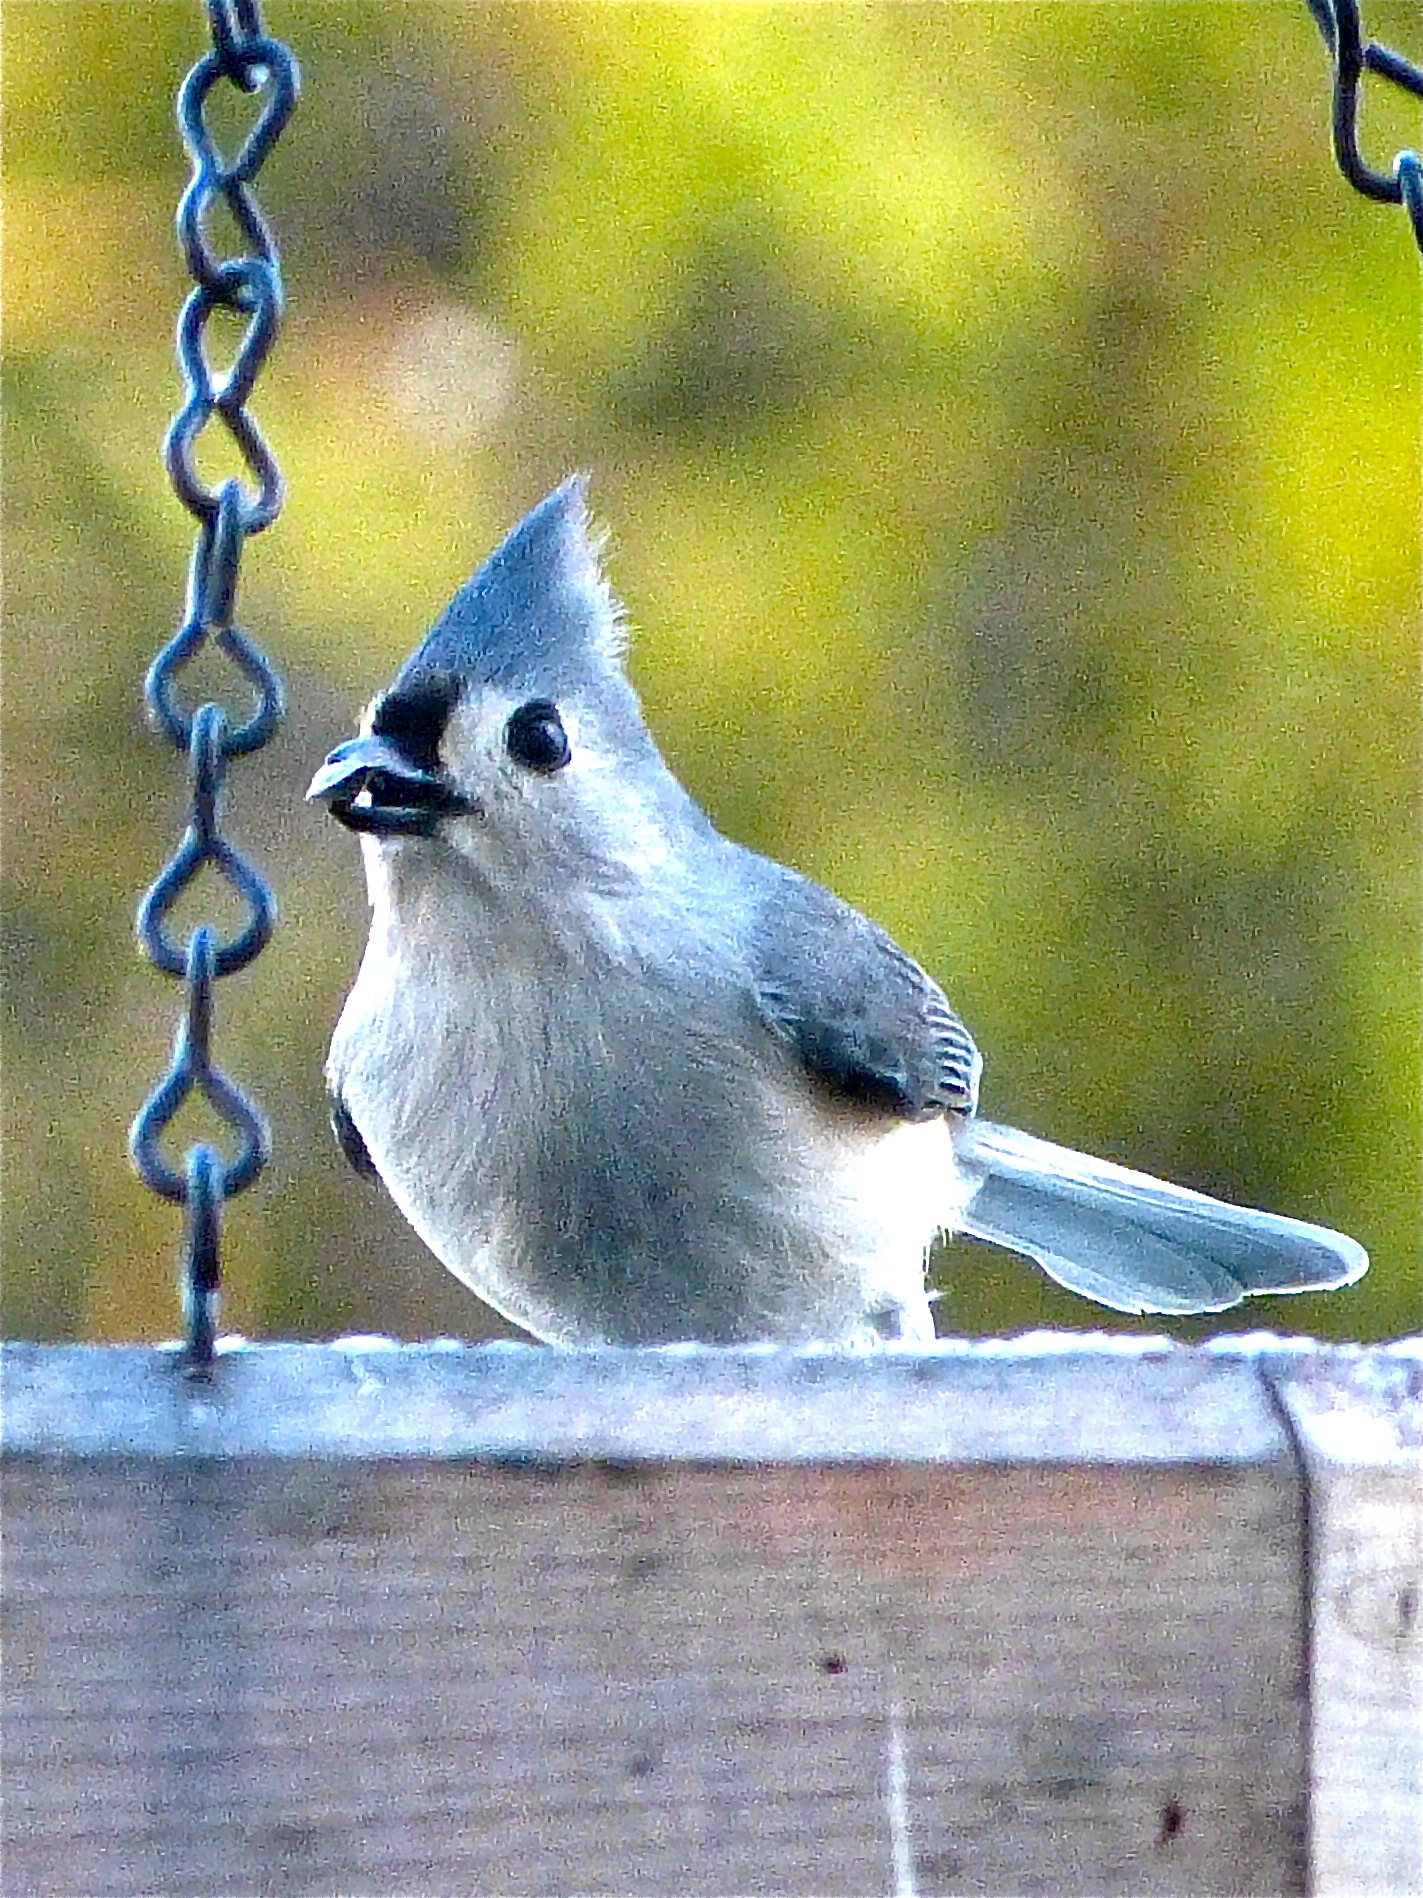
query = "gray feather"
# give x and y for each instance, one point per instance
(1135, 1243)
(350, 1141)
(537, 616)
(863, 1017)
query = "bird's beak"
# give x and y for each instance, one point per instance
(369, 784)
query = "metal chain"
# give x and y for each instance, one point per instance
(1338, 21)
(251, 286)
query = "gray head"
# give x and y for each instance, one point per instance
(511, 733)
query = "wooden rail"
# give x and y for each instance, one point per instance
(1062, 1616)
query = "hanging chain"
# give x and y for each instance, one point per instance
(251, 286)
(1338, 21)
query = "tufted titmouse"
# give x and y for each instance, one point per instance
(636, 1084)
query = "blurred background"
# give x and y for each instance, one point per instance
(1008, 426)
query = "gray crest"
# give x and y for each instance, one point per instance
(536, 617)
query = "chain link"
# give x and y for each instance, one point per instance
(1338, 21)
(251, 286)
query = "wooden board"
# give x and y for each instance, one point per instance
(1358, 1416)
(508, 1620)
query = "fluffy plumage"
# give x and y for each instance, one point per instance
(633, 1083)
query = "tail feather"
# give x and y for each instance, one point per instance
(1134, 1243)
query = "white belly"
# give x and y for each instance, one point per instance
(624, 1176)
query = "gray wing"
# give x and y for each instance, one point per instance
(863, 1017)
(348, 1139)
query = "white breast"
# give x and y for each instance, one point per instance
(604, 1160)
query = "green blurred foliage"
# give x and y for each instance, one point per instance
(1008, 424)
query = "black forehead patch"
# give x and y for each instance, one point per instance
(413, 716)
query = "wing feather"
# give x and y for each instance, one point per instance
(864, 1018)
(348, 1138)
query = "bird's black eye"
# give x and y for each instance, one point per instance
(535, 738)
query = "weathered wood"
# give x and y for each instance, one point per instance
(1358, 1416)
(999, 1620)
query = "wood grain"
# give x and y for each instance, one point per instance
(1359, 1420)
(517, 1621)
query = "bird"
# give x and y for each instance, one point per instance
(634, 1083)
